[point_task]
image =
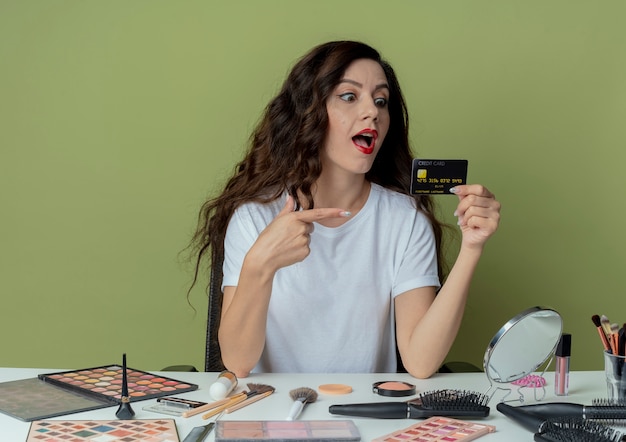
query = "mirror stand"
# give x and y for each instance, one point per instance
(519, 348)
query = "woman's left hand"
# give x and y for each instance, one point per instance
(478, 213)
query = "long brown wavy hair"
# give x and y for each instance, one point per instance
(284, 149)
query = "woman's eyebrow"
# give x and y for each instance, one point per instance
(359, 85)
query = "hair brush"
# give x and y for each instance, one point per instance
(576, 430)
(448, 403)
(605, 411)
(572, 429)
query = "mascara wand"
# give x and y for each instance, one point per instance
(124, 411)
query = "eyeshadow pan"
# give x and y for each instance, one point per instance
(286, 431)
(160, 430)
(438, 429)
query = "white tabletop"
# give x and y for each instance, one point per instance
(584, 387)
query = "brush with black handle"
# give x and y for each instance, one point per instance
(605, 411)
(571, 429)
(576, 430)
(125, 411)
(448, 403)
(198, 434)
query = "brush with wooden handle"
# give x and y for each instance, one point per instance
(255, 389)
(212, 405)
(248, 401)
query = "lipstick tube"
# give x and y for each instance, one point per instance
(561, 370)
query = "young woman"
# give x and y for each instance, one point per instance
(329, 262)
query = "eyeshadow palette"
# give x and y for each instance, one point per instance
(286, 431)
(105, 383)
(58, 394)
(151, 430)
(32, 399)
(438, 429)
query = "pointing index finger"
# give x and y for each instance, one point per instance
(311, 215)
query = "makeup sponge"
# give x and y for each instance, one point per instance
(225, 383)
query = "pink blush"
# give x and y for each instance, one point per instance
(393, 388)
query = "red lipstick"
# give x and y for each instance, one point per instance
(365, 140)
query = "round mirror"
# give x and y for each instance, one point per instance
(523, 344)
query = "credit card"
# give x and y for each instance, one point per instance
(437, 177)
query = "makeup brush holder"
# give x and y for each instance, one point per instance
(615, 371)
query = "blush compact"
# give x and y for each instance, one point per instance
(393, 388)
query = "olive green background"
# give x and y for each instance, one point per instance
(118, 118)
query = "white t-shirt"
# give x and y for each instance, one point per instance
(333, 312)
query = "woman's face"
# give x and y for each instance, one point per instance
(358, 118)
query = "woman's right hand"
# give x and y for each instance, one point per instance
(286, 239)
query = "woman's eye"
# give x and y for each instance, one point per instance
(380, 102)
(348, 96)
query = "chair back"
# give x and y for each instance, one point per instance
(213, 355)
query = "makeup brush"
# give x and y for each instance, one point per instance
(615, 337)
(211, 405)
(621, 341)
(448, 403)
(300, 396)
(254, 389)
(606, 326)
(198, 434)
(597, 322)
(124, 411)
(250, 400)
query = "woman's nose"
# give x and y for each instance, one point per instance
(369, 108)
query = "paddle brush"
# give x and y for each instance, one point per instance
(448, 403)
(301, 396)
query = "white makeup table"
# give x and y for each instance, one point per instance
(584, 387)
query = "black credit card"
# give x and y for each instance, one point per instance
(437, 177)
